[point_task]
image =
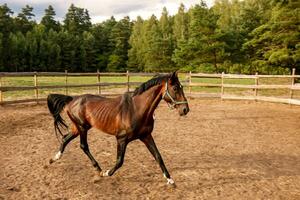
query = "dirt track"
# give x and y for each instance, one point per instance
(221, 150)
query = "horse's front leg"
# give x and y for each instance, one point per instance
(121, 148)
(149, 142)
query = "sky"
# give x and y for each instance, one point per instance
(101, 10)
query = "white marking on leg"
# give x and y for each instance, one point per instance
(106, 173)
(170, 181)
(57, 156)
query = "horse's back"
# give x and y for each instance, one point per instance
(109, 114)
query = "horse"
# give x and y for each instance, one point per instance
(127, 117)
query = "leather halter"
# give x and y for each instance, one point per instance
(173, 101)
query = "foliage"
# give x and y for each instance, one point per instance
(232, 36)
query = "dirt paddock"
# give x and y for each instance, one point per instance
(221, 150)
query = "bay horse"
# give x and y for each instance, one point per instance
(127, 117)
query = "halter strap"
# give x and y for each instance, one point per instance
(173, 101)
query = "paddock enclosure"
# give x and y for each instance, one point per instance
(220, 150)
(23, 87)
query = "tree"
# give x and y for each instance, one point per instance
(204, 43)
(24, 20)
(232, 36)
(1, 53)
(54, 58)
(88, 52)
(114, 62)
(152, 45)
(167, 42)
(180, 27)
(48, 19)
(6, 27)
(120, 38)
(32, 50)
(104, 45)
(136, 52)
(18, 49)
(77, 20)
(276, 42)
(230, 25)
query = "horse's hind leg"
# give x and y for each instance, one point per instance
(66, 139)
(85, 147)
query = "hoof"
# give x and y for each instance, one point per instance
(170, 181)
(105, 173)
(56, 157)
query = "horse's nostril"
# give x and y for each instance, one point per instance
(185, 111)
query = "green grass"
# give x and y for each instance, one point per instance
(72, 80)
(219, 81)
(44, 81)
(245, 92)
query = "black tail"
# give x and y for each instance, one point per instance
(56, 103)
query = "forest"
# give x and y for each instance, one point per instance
(232, 36)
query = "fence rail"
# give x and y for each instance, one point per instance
(188, 81)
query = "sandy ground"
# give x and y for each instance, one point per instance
(221, 150)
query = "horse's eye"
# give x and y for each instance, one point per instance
(175, 88)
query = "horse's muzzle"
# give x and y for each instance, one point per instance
(183, 110)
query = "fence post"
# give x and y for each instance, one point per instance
(127, 74)
(292, 84)
(190, 83)
(222, 85)
(256, 85)
(66, 82)
(36, 87)
(1, 97)
(98, 81)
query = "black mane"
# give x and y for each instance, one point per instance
(156, 80)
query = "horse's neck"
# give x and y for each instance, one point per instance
(147, 102)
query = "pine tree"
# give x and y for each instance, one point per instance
(77, 20)
(120, 38)
(88, 52)
(48, 19)
(136, 52)
(254, 13)
(18, 51)
(233, 36)
(152, 45)
(32, 51)
(104, 45)
(100, 46)
(204, 45)
(1, 52)
(24, 20)
(167, 42)
(276, 42)
(180, 27)
(6, 27)
(54, 59)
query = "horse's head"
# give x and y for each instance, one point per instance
(173, 94)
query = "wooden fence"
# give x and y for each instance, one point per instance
(256, 87)
(189, 80)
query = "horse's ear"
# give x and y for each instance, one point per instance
(174, 75)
